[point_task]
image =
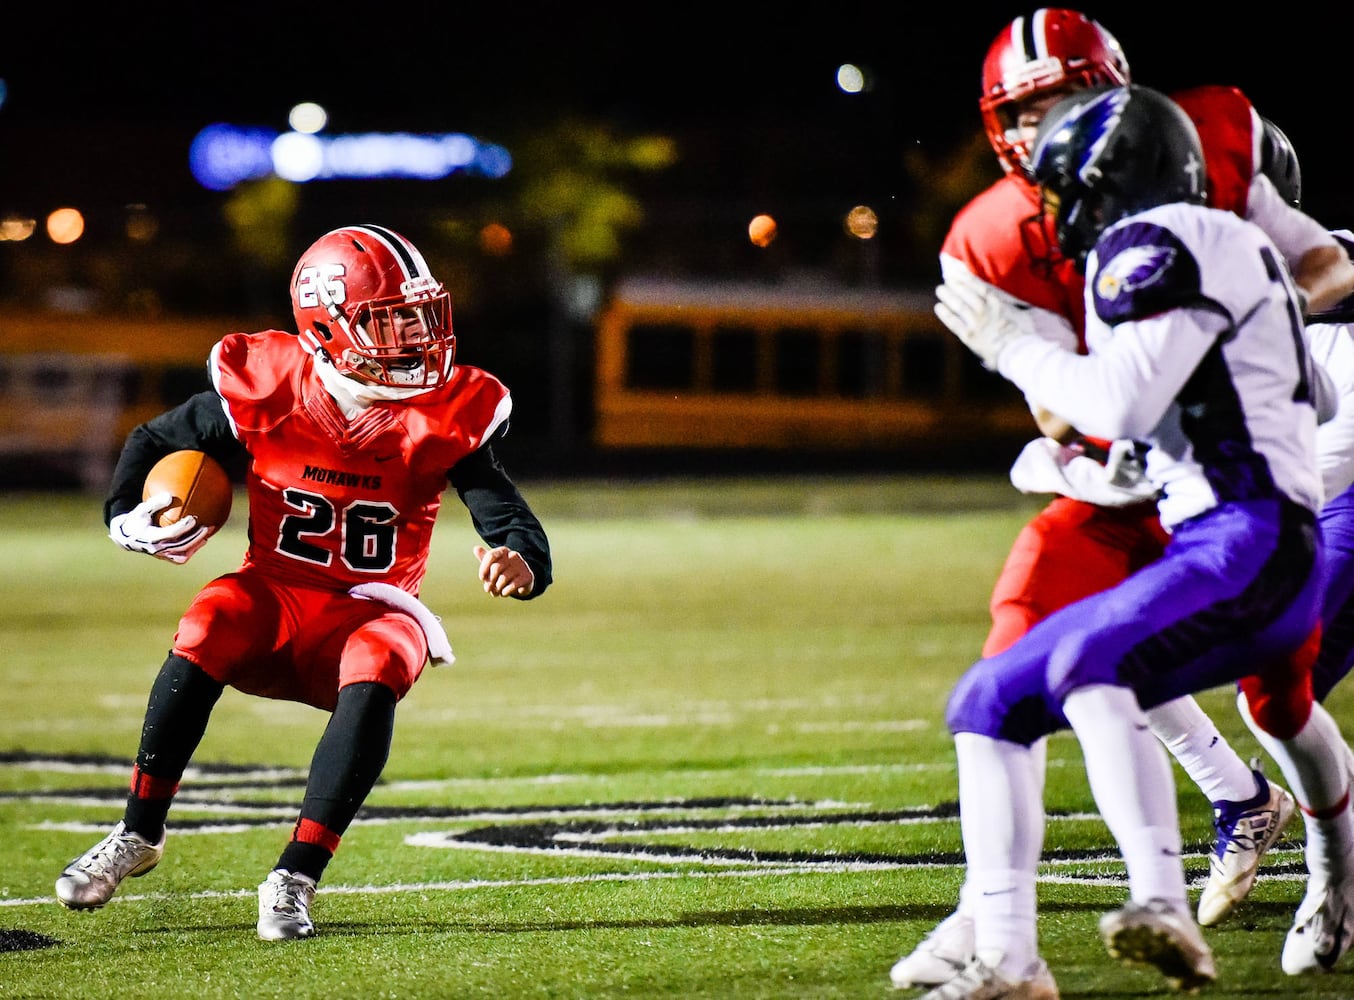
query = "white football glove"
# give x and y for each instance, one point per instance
(1124, 469)
(1045, 466)
(980, 316)
(136, 531)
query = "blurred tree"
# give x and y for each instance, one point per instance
(570, 190)
(570, 199)
(948, 180)
(260, 214)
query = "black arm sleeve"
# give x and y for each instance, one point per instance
(199, 424)
(500, 514)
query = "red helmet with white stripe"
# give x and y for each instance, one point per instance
(363, 298)
(1052, 51)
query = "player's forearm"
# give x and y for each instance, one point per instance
(1326, 276)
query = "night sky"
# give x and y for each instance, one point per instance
(105, 103)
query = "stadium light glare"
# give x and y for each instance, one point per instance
(16, 228)
(221, 156)
(297, 157)
(496, 239)
(308, 117)
(850, 78)
(762, 230)
(862, 222)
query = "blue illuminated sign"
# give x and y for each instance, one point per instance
(222, 156)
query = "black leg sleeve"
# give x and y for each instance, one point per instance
(180, 705)
(351, 755)
(349, 759)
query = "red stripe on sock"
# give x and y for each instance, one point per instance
(307, 831)
(1328, 813)
(148, 786)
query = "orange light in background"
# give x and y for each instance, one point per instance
(65, 225)
(15, 229)
(862, 223)
(496, 240)
(762, 230)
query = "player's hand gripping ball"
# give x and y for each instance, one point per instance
(187, 498)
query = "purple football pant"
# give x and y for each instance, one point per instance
(1236, 589)
(1337, 606)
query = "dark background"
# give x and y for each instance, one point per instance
(101, 106)
(489, 69)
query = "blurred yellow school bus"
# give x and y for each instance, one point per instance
(714, 365)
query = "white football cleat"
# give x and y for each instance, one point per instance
(91, 879)
(284, 906)
(980, 981)
(1245, 832)
(1157, 934)
(1320, 934)
(939, 957)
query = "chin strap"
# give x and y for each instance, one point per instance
(353, 396)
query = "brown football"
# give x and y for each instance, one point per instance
(198, 483)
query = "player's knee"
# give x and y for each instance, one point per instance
(1279, 709)
(968, 709)
(981, 704)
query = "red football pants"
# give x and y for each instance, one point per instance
(297, 644)
(1070, 550)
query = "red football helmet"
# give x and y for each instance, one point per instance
(1050, 51)
(363, 298)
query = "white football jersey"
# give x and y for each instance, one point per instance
(1196, 349)
(1332, 347)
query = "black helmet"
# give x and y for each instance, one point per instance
(1279, 162)
(1107, 153)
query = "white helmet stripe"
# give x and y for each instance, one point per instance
(310, 342)
(411, 260)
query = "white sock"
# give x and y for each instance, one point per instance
(1330, 843)
(1039, 753)
(1313, 763)
(1001, 814)
(1201, 751)
(1131, 779)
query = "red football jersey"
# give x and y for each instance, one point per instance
(1004, 238)
(334, 502)
(1222, 117)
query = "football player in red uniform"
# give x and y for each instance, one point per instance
(1102, 524)
(348, 435)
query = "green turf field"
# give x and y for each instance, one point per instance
(709, 763)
